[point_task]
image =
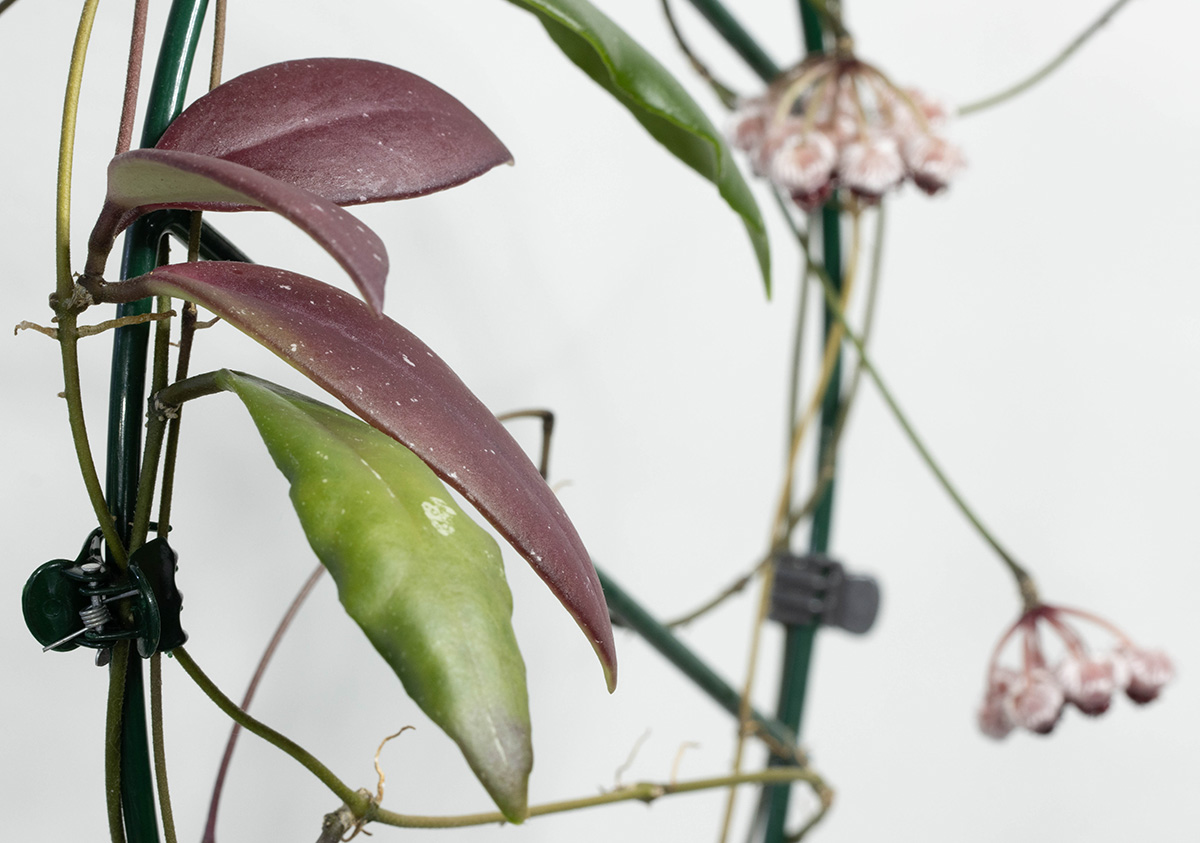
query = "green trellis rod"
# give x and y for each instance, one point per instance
(127, 403)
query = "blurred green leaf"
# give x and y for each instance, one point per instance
(623, 68)
(425, 583)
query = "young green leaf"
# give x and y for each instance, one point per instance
(623, 68)
(148, 179)
(391, 379)
(425, 583)
(350, 130)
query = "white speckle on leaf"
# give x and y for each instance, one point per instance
(404, 357)
(439, 514)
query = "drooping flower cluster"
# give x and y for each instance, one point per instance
(1034, 696)
(835, 121)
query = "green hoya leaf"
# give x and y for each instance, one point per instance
(425, 583)
(623, 68)
(392, 380)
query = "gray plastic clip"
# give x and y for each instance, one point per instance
(816, 589)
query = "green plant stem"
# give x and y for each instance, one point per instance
(160, 749)
(155, 430)
(1025, 584)
(737, 38)
(189, 389)
(358, 803)
(1046, 70)
(112, 741)
(642, 791)
(133, 76)
(64, 296)
(626, 610)
(797, 356)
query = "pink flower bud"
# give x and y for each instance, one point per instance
(1035, 702)
(993, 714)
(1088, 683)
(748, 124)
(804, 164)
(932, 161)
(871, 165)
(1149, 671)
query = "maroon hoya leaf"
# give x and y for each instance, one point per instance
(391, 379)
(149, 179)
(350, 130)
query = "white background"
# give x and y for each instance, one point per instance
(1039, 322)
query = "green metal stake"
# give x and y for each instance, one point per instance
(799, 641)
(627, 611)
(127, 403)
(737, 37)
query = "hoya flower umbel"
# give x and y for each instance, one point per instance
(1033, 695)
(835, 121)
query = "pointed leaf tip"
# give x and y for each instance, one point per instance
(422, 580)
(388, 377)
(349, 130)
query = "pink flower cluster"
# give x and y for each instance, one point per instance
(836, 121)
(1035, 696)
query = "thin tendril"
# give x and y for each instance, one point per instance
(210, 827)
(1045, 71)
(1025, 584)
(725, 94)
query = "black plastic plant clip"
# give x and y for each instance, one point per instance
(87, 603)
(816, 589)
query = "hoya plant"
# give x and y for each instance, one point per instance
(308, 371)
